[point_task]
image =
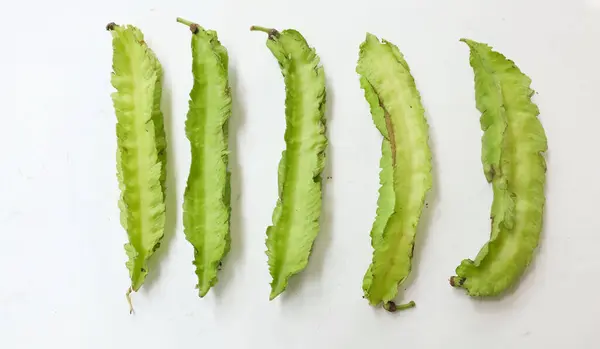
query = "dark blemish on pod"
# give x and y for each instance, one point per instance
(110, 26)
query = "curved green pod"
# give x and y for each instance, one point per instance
(296, 216)
(141, 155)
(405, 175)
(206, 202)
(513, 144)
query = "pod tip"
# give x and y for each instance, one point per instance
(128, 296)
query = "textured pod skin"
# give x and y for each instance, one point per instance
(206, 202)
(296, 216)
(405, 175)
(513, 144)
(141, 156)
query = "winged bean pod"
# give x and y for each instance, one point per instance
(141, 156)
(206, 202)
(512, 146)
(405, 175)
(296, 216)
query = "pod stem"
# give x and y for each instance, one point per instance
(184, 21)
(193, 26)
(272, 32)
(392, 307)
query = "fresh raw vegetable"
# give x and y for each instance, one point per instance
(405, 175)
(141, 156)
(296, 216)
(206, 202)
(512, 154)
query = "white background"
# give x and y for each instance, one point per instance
(62, 272)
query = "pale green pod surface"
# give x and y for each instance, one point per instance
(512, 154)
(405, 175)
(141, 156)
(296, 216)
(206, 202)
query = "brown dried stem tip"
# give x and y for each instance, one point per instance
(110, 26)
(194, 28)
(273, 33)
(456, 281)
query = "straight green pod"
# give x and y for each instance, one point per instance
(405, 175)
(297, 213)
(141, 156)
(206, 201)
(512, 150)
